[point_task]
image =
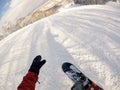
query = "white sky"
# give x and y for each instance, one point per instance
(20, 8)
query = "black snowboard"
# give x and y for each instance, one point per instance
(77, 76)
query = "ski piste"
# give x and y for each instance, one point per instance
(77, 76)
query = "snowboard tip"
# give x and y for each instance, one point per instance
(66, 66)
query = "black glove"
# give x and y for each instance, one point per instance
(37, 64)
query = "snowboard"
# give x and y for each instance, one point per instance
(77, 76)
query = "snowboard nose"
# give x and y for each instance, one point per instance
(66, 66)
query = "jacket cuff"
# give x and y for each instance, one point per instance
(33, 76)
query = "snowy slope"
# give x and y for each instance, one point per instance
(87, 36)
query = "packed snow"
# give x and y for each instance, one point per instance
(87, 36)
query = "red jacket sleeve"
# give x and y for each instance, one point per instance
(28, 82)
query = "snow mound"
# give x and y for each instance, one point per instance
(87, 36)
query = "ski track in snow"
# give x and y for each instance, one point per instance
(87, 36)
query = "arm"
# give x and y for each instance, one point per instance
(28, 82)
(31, 77)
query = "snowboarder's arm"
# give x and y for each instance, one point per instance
(28, 82)
(31, 77)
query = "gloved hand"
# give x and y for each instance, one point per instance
(37, 64)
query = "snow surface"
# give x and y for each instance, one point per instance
(87, 36)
